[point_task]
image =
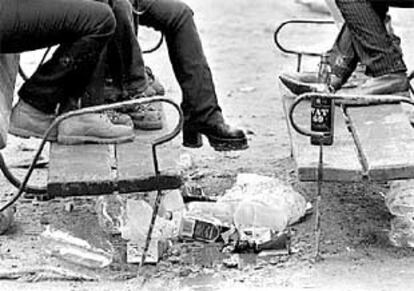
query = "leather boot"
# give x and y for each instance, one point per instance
(221, 136)
(26, 121)
(93, 128)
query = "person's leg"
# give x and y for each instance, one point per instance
(202, 114)
(124, 50)
(81, 27)
(370, 38)
(189, 63)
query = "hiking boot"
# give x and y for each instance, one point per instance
(154, 83)
(26, 121)
(148, 116)
(119, 118)
(93, 128)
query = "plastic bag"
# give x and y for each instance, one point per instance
(259, 201)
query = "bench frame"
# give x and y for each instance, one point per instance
(23, 186)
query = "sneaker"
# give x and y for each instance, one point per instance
(93, 128)
(27, 121)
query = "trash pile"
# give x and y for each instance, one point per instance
(251, 217)
(400, 202)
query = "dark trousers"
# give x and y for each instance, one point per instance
(124, 56)
(364, 38)
(81, 27)
(175, 20)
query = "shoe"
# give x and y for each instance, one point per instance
(26, 121)
(300, 83)
(92, 128)
(154, 83)
(395, 84)
(118, 118)
(388, 84)
(148, 116)
(221, 136)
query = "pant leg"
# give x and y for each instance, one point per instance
(81, 27)
(124, 52)
(343, 57)
(175, 20)
(372, 43)
(122, 61)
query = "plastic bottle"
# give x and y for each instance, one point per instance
(74, 250)
(111, 213)
(271, 204)
(219, 210)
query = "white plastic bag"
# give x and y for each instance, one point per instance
(8, 71)
(265, 202)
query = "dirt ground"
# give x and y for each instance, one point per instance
(238, 41)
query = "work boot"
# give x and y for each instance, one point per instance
(145, 116)
(148, 116)
(119, 118)
(93, 128)
(26, 121)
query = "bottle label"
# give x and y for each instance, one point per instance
(322, 119)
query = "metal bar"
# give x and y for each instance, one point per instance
(94, 109)
(297, 21)
(156, 143)
(318, 214)
(16, 182)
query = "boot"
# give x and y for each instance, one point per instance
(93, 128)
(221, 136)
(26, 121)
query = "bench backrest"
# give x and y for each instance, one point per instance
(8, 71)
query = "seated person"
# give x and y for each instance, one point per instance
(364, 38)
(202, 114)
(125, 75)
(83, 29)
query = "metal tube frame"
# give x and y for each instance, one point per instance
(360, 100)
(298, 53)
(93, 109)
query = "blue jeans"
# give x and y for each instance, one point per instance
(81, 27)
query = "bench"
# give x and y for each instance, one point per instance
(374, 142)
(92, 169)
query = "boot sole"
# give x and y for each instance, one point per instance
(149, 126)
(220, 144)
(74, 140)
(23, 133)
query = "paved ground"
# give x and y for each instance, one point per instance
(237, 36)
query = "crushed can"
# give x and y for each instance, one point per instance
(200, 228)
